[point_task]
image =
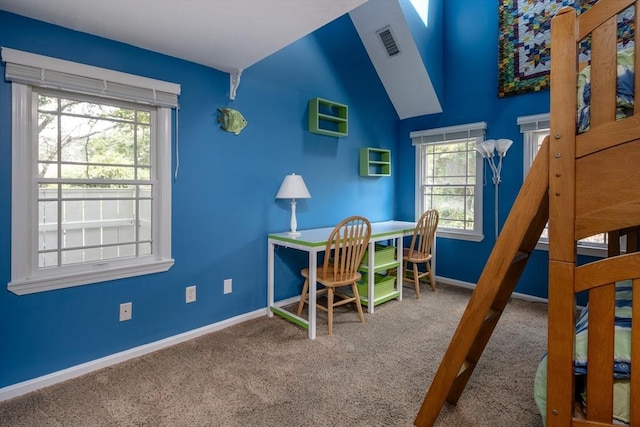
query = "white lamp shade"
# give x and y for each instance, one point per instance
(293, 187)
(485, 148)
(489, 145)
(502, 145)
(480, 149)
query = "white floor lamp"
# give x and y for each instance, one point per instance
(486, 149)
(293, 188)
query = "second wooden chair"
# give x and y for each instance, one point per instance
(419, 251)
(345, 249)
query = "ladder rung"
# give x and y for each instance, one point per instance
(491, 314)
(519, 257)
(467, 364)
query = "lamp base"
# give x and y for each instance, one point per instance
(292, 233)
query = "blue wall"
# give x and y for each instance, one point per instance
(470, 50)
(223, 199)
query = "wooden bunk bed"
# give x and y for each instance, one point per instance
(584, 182)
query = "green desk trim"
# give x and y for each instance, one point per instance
(290, 316)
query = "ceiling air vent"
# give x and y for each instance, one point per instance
(388, 41)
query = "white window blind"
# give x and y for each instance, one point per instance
(472, 130)
(43, 71)
(534, 122)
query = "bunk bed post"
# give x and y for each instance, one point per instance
(562, 247)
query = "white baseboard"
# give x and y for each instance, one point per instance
(24, 387)
(469, 285)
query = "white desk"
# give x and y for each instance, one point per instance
(314, 241)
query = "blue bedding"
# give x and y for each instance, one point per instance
(621, 362)
(622, 347)
(624, 90)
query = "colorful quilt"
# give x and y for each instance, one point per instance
(525, 41)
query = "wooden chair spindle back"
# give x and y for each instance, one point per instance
(423, 236)
(346, 246)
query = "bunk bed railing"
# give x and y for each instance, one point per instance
(594, 187)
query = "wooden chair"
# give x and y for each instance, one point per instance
(419, 252)
(345, 249)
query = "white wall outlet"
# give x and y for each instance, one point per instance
(227, 286)
(190, 294)
(125, 311)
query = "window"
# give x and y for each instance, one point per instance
(535, 129)
(448, 179)
(91, 173)
(422, 8)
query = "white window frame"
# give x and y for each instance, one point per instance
(434, 136)
(531, 127)
(26, 277)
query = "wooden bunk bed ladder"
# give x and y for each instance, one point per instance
(504, 267)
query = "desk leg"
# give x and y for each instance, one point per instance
(399, 273)
(313, 286)
(270, 278)
(371, 277)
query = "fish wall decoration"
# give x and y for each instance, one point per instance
(231, 120)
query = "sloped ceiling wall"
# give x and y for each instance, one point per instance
(404, 75)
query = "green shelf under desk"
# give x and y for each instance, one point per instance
(384, 285)
(384, 289)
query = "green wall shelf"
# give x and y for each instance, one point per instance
(375, 162)
(328, 117)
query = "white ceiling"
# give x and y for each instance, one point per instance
(228, 35)
(232, 35)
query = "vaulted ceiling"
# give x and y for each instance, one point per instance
(232, 35)
(228, 35)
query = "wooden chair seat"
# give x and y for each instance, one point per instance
(331, 285)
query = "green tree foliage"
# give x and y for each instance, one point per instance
(92, 140)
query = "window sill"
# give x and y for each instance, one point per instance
(31, 285)
(460, 235)
(582, 250)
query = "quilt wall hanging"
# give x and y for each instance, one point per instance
(524, 50)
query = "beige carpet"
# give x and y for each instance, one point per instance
(265, 372)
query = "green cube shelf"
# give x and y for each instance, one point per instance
(383, 285)
(384, 258)
(382, 255)
(375, 162)
(328, 117)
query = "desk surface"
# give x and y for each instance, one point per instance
(318, 236)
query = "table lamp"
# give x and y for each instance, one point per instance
(293, 188)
